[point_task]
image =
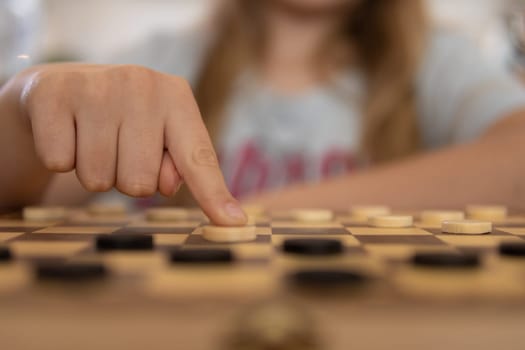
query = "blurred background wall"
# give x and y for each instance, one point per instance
(89, 30)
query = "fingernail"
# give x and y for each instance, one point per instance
(177, 188)
(234, 211)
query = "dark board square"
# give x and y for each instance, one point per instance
(11, 215)
(20, 229)
(401, 239)
(476, 250)
(150, 230)
(255, 262)
(199, 240)
(355, 251)
(94, 224)
(35, 260)
(353, 224)
(510, 224)
(64, 237)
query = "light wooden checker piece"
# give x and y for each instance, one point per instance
(77, 230)
(391, 221)
(61, 249)
(44, 213)
(223, 234)
(466, 227)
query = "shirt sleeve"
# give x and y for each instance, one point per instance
(179, 54)
(460, 94)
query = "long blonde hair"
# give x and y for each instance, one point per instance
(387, 37)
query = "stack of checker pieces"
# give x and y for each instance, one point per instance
(365, 252)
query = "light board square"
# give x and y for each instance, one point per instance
(5, 236)
(47, 249)
(485, 241)
(513, 230)
(169, 239)
(80, 230)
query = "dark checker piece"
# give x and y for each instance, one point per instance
(70, 271)
(446, 260)
(327, 278)
(5, 254)
(512, 249)
(313, 246)
(201, 256)
(124, 242)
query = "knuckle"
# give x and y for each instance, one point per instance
(134, 74)
(37, 88)
(47, 88)
(184, 92)
(97, 91)
(130, 82)
(136, 188)
(183, 85)
(204, 155)
(96, 183)
(58, 163)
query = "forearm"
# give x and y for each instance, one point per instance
(490, 170)
(23, 177)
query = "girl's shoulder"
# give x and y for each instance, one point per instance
(446, 45)
(454, 52)
(461, 90)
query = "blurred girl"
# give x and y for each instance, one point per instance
(295, 91)
(298, 91)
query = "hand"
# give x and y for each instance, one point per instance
(126, 127)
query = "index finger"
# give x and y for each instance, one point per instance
(190, 147)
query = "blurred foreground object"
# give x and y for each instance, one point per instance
(19, 30)
(274, 326)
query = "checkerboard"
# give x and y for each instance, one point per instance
(157, 289)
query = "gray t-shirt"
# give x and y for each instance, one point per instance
(270, 140)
